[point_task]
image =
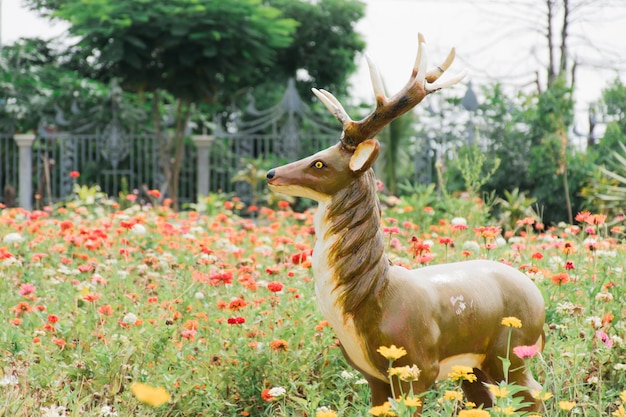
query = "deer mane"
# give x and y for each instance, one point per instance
(357, 256)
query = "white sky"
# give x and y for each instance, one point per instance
(495, 39)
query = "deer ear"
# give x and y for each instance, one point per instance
(364, 155)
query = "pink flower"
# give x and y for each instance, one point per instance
(26, 289)
(524, 352)
(189, 334)
(608, 342)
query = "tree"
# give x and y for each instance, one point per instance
(36, 88)
(194, 50)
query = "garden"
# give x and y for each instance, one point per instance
(130, 308)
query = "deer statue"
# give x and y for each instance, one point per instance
(442, 315)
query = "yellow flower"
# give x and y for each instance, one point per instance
(499, 392)
(474, 413)
(325, 412)
(507, 411)
(460, 373)
(620, 412)
(391, 353)
(452, 396)
(512, 322)
(410, 401)
(149, 395)
(622, 396)
(405, 373)
(470, 404)
(541, 395)
(567, 405)
(382, 410)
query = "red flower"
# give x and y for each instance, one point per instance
(266, 396)
(92, 297)
(236, 320)
(53, 318)
(106, 310)
(154, 193)
(537, 255)
(274, 286)
(298, 258)
(74, 174)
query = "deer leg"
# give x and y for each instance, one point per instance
(519, 375)
(476, 391)
(523, 377)
(381, 391)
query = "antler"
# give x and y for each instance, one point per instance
(420, 84)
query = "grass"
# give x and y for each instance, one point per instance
(219, 312)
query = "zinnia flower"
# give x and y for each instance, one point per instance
(392, 353)
(460, 373)
(524, 352)
(382, 410)
(511, 322)
(154, 397)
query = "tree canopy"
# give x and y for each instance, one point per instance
(193, 49)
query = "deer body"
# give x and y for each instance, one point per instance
(443, 315)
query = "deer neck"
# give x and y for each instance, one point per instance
(349, 262)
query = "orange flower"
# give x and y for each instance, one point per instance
(279, 344)
(560, 279)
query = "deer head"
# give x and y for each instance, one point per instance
(325, 173)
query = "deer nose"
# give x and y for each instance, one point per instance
(270, 174)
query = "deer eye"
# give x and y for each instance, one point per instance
(318, 165)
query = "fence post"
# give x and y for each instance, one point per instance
(25, 144)
(203, 163)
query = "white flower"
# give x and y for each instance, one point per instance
(458, 220)
(53, 411)
(471, 245)
(130, 318)
(8, 380)
(594, 321)
(277, 392)
(108, 411)
(347, 375)
(199, 295)
(500, 241)
(604, 296)
(13, 238)
(138, 229)
(620, 366)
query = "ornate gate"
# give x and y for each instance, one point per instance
(284, 132)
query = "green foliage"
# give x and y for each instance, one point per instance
(35, 86)
(324, 43)
(614, 98)
(394, 162)
(515, 206)
(607, 189)
(190, 48)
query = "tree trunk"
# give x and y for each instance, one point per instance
(551, 66)
(183, 111)
(564, 35)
